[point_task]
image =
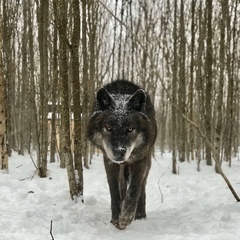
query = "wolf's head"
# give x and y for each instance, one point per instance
(119, 125)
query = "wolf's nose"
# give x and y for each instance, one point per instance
(120, 153)
(121, 150)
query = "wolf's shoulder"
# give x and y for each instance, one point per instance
(121, 87)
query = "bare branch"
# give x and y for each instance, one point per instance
(51, 230)
(160, 187)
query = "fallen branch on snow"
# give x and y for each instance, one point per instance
(51, 230)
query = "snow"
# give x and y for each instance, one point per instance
(194, 205)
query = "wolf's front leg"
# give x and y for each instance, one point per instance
(129, 206)
(112, 171)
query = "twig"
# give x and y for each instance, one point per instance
(33, 161)
(22, 179)
(160, 187)
(34, 174)
(51, 230)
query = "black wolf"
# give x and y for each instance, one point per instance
(123, 126)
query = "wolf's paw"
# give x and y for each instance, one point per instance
(140, 216)
(118, 225)
(124, 221)
(114, 222)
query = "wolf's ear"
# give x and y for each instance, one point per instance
(104, 99)
(137, 101)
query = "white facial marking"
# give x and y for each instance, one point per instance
(108, 150)
(137, 142)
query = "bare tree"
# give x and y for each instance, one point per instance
(54, 84)
(182, 133)
(76, 97)
(219, 124)
(65, 117)
(9, 39)
(85, 80)
(43, 13)
(32, 113)
(191, 83)
(199, 82)
(209, 76)
(3, 137)
(232, 90)
(174, 91)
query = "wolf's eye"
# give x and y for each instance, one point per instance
(130, 129)
(108, 128)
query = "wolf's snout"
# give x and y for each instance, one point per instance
(119, 154)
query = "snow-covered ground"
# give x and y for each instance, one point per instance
(195, 205)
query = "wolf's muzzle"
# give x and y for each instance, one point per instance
(119, 154)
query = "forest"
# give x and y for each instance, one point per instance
(56, 54)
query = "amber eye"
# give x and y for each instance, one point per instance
(108, 128)
(130, 129)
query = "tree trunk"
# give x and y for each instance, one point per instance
(199, 81)
(85, 82)
(231, 55)
(174, 92)
(54, 88)
(219, 126)
(182, 87)
(65, 118)
(208, 70)
(9, 70)
(33, 119)
(76, 97)
(43, 111)
(191, 84)
(3, 139)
